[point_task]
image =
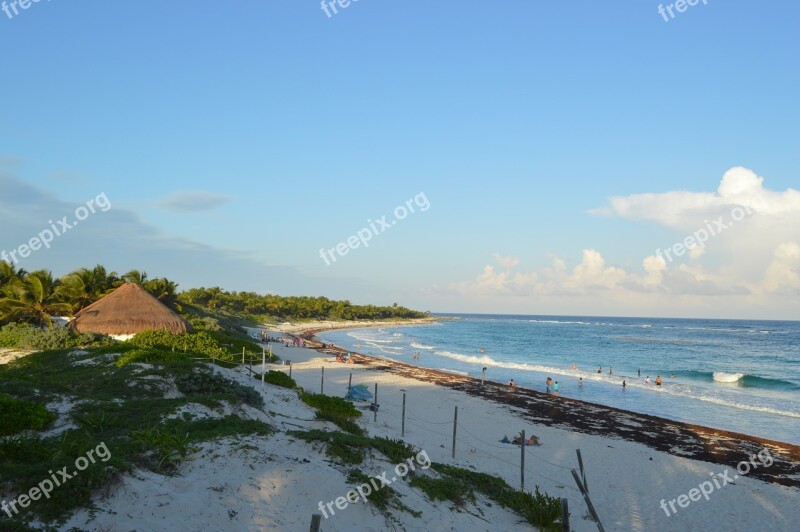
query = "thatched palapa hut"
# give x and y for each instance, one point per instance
(126, 311)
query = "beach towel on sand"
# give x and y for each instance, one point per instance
(358, 392)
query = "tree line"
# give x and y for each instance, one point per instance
(36, 297)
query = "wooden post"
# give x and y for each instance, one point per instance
(350, 382)
(316, 520)
(243, 356)
(583, 472)
(522, 463)
(403, 425)
(455, 424)
(263, 367)
(589, 504)
(375, 417)
(483, 377)
(290, 369)
(564, 515)
(322, 382)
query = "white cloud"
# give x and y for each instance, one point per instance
(748, 266)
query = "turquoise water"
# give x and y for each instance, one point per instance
(730, 374)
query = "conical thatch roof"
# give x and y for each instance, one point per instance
(129, 309)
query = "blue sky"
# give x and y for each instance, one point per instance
(235, 140)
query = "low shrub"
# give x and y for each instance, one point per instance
(16, 416)
(206, 383)
(279, 378)
(26, 336)
(149, 356)
(331, 405)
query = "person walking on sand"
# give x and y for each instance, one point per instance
(555, 388)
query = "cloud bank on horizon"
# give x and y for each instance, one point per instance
(737, 248)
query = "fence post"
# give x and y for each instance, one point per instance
(483, 376)
(316, 520)
(263, 367)
(522, 463)
(350, 382)
(243, 356)
(589, 504)
(455, 425)
(564, 515)
(322, 382)
(375, 417)
(403, 425)
(290, 369)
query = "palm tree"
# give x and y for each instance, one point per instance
(135, 277)
(165, 291)
(83, 287)
(9, 274)
(34, 300)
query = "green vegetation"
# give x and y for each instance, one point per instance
(334, 405)
(297, 308)
(26, 336)
(279, 378)
(336, 410)
(460, 485)
(16, 416)
(383, 499)
(120, 405)
(351, 448)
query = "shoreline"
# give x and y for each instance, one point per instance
(678, 438)
(318, 326)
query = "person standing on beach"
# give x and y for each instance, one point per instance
(547, 384)
(555, 388)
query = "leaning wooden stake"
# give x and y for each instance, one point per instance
(583, 472)
(589, 504)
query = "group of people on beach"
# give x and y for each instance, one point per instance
(518, 440)
(549, 383)
(346, 358)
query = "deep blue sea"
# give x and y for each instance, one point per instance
(730, 374)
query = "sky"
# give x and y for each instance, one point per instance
(492, 157)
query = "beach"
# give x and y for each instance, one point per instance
(632, 462)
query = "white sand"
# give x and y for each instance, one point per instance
(275, 483)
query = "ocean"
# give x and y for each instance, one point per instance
(736, 375)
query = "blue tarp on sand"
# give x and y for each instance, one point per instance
(359, 392)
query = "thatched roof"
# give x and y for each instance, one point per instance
(129, 309)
